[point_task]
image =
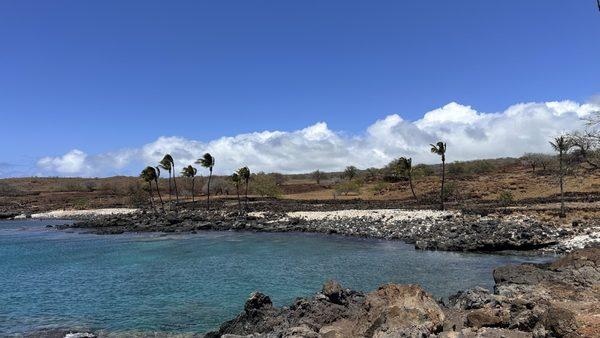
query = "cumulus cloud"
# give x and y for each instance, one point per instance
(524, 127)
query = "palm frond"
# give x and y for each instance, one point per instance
(244, 173)
(207, 161)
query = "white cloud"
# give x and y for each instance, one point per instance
(470, 134)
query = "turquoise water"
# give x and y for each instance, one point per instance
(193, 282)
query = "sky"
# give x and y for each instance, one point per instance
(104, 88)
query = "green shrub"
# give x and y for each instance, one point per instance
(470, 168)
(379, 186)
(138, 195)
(265, 185)
(505, 198)
(449, 190)
(422, 170)
(345, 188)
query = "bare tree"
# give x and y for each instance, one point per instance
(562, 145)
(317, 175)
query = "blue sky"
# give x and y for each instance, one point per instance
(106, 76)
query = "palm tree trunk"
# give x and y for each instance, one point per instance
(443, 181)
(170, 189)
(411, 185)
(151, 198)
(175, 184)
(246, 195)
(193, 178)
(237, 190)
(208, 196)
(159, 196)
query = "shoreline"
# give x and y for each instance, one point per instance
(426, 229)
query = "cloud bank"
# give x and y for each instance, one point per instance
(524, 127)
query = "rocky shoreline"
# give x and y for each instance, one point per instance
(426, 229)
(530, 300)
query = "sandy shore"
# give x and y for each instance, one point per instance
(390, 215)
(65, 214)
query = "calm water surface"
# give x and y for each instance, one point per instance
(193, 282)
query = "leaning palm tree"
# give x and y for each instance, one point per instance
(166, 164)
(190, 172)
(245, 176)
(405, 166)
(207, 161)
(562, 145)
(149, 175)
(174, 178)
(156, 177)
(236, 179)
(440, 149)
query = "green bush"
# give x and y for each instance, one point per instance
(422, 170)
(345, 188)
(379, 186)
(449, 190)
(505, 198)
(470, 168)
(265, 185)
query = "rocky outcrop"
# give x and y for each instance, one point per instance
(390, 311)
(557, 300)
(550, 300)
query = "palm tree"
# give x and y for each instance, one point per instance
(236, 179)
(207, 161)
(562, 145)
(440, 149)
(405, 166)
(156, 177)
(174, 178)
(191, 172)
(149, 175)
(166, 164)
(244, 174)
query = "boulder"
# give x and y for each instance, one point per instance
(257, 301)
(334, 292)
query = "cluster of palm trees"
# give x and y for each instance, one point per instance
(242, 175)
(151, 175)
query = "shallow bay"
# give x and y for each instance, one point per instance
(194, 282)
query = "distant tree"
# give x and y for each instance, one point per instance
(371, 174)
(562, 145)
(207, 161)
(535, 160)
(317, 175)
(190, 172)
(244, 174)
(149, 175)
(405, 167)
(587, 148)
(350, 172)
(237, 180)
(440, 149)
